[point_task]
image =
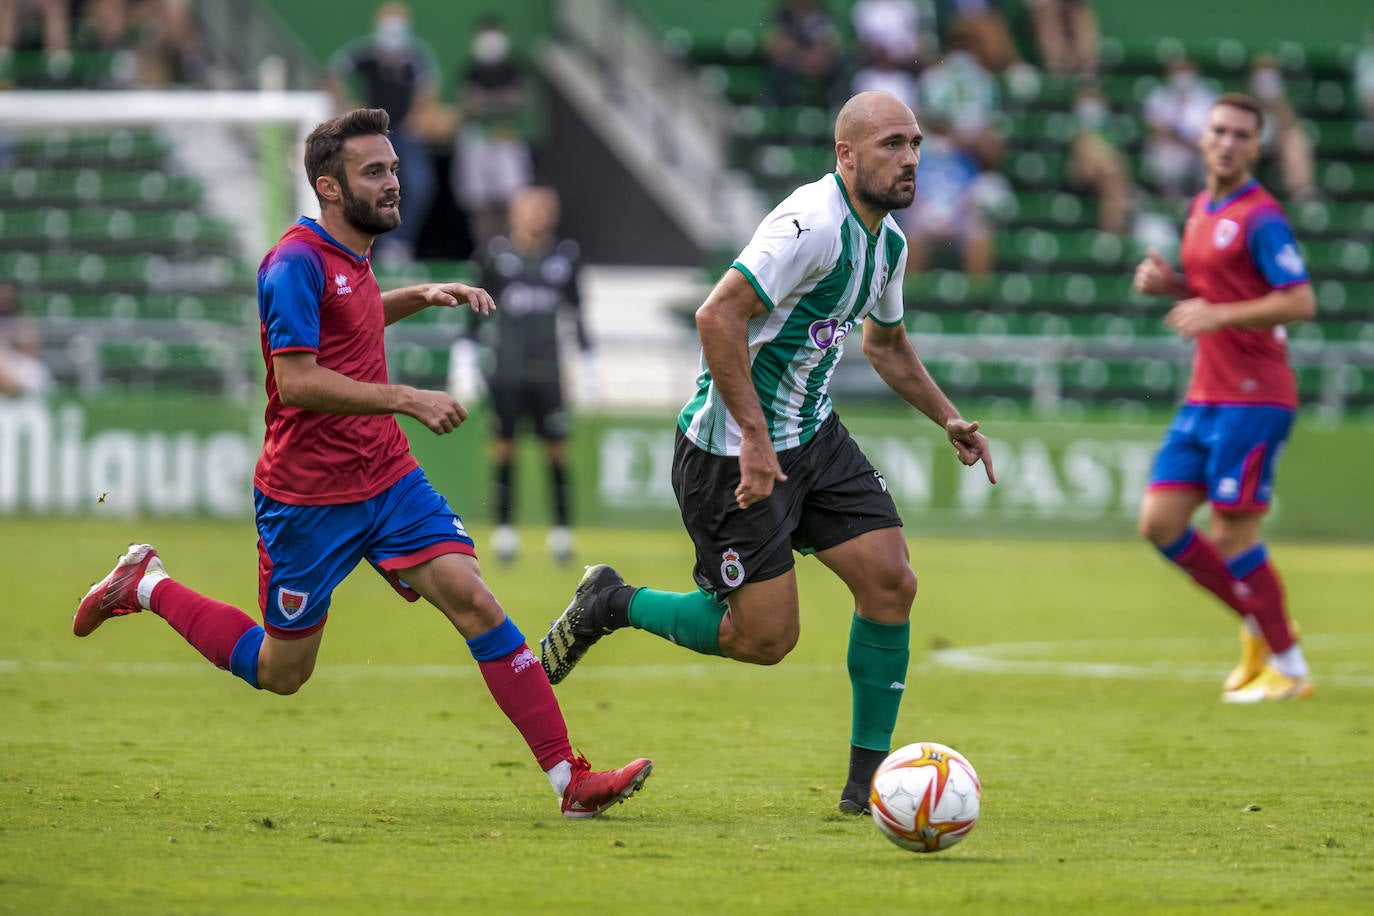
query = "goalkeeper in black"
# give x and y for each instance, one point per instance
(533, 277)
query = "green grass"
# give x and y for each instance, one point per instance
(134, 778)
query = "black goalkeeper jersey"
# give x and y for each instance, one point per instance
(531, 290)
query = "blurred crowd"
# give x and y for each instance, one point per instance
(150, 42)
(952, 60)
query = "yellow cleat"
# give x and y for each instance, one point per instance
(1271, 684)
(1254, 655)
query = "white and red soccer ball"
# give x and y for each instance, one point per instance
(925, 797)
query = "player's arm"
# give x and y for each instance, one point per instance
(1154, 276)
(1198, 316)
(723, 324)
(894, 359)
(302, 382)
(406, 301)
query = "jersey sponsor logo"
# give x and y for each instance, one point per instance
(800, 228)
(341, 284)
(292, 604)
(458, 526)
(1289, 261)
(896, 686)
(882, 482)
(828, 332)
(1225, 232)
(731, 569)
(1228, 488)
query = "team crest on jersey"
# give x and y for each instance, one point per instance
(731, 569)
(292, 604)
(341, 282)
(828, 333)
(1224, 232)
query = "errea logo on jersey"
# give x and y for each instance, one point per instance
(341, 282)
(1290, 262)
(828, 333)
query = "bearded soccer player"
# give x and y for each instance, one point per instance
(336, 483)
(762, 464)
(1243, 281)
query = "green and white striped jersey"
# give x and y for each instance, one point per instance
(820, 272)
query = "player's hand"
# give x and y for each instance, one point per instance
(1192, 317)
(970, 445)
(758, 470)
(437, 410)
(1154, 276)
(451, 295)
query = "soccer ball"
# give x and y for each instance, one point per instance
(925, 797)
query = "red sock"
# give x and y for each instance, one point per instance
(213, 627)
(1199, 558)
(1268, 606)
(521, 688)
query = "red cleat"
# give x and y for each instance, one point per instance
(117, 593)
(589, 793)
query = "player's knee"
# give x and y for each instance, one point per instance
(771, 651)
(1157, 530)
(283, 682)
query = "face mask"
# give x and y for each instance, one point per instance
(392, 33)
(490, 46)
(1267, 84)
(1090, 113)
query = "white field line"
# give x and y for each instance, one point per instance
(1053, 658)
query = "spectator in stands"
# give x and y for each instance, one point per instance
(1176, 113)
(947, 207)
(1096, 166)
(15, 16)
(1283, 137)
(397, 72)
(1362, 76)
(160, 38)
(1066, 34)
(805, 56)
(22, 369)
(895, 34)
(984, 31)
(960, 92)
(491, 157)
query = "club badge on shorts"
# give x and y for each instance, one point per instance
(731, 569)
(292, 604)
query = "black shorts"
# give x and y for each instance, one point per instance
(832, 494)
(537, 401)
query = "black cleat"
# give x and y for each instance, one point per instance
(586, 620)
(854, 799)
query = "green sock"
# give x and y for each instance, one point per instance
(878, 657)
(690, 619)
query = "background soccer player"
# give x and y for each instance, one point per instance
(762, 464)
(533, 276)
(1243, 280)
(336, 483)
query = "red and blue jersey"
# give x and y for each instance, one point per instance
(316, 296)
(1235, 249)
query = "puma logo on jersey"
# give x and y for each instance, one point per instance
(800, 228)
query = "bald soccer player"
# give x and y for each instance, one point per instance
(762, 465)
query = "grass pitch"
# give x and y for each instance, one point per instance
(1082, 681)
